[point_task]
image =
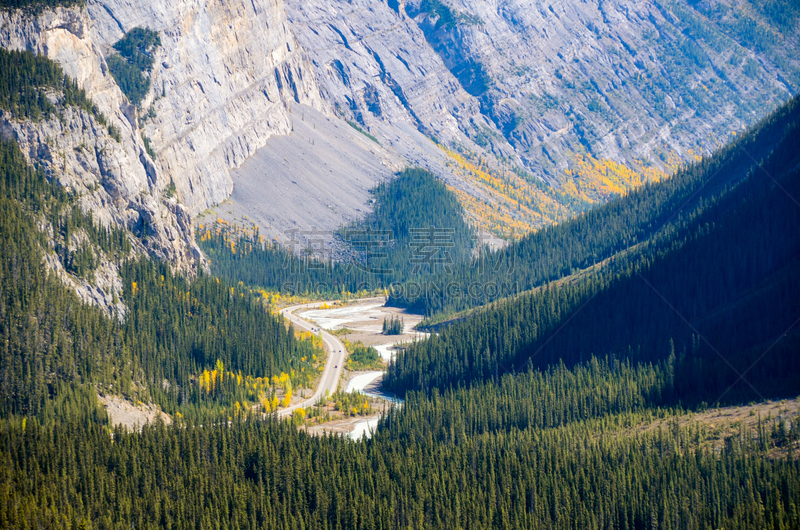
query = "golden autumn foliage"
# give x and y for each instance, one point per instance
(271, 393)
(511, 206)
(592, 180)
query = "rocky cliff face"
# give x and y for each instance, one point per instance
(221, 82)
(374, 65)
(592, 98)
(115, 180)
(503, 85)
(654, 81)
(221, 85)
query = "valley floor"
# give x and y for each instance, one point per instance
(362, 322)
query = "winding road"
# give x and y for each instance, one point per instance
(334, 366)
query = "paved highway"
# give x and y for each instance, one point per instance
(333, 368)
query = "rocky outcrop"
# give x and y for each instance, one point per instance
(104, 290)
(221, 83)
(115, 180)
(657, 80)
(518, 85)
(65, 36)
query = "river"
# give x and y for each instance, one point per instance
(364, 322)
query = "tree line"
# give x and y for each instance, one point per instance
(416, 229)
(27, 81)
(719, 291)
(172, 330)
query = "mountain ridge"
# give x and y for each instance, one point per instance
(226, 77)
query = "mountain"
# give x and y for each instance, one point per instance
(589, 240)
(592, 98)
(528, 127)
(592, 396)
(625, 81)
(715, 288)
(522, 439)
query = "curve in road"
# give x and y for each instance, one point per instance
(333, 367)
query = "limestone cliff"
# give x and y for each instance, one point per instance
(655, 81)
(115, 180)
(513, 93)
(222, 80)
